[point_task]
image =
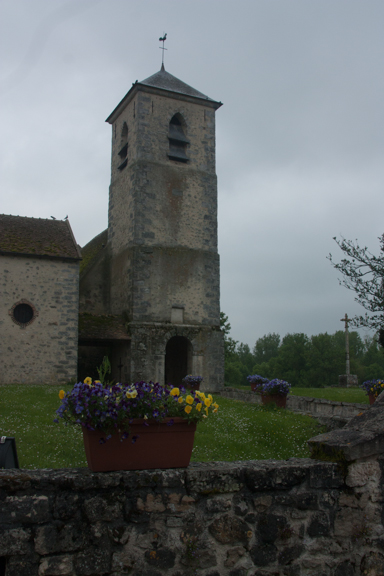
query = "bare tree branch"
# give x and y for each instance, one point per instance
(363, 273)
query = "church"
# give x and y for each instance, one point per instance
(149, 285)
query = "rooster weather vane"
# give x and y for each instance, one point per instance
(163, 39)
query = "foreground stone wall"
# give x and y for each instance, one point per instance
(298, 517)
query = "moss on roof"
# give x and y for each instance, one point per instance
(20, 235)
(92, 249)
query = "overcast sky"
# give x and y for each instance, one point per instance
(300, 138)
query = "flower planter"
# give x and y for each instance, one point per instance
(255, 387)
(279, 399)
(194, 386)
(157, 446)
(372, 399)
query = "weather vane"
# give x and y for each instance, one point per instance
(163, 39)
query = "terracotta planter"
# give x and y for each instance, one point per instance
(157, 446)
(372, 398)
(279, 399)
(192, 386)
(254, 387)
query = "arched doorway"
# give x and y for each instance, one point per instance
(178, 360)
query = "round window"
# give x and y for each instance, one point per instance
(23, 313)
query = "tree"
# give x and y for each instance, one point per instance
(291, 363)
(229, 343)
(245, 356)
(266, 348)
(363, 273)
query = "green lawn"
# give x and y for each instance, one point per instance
(239, 431)
(335, 394)
(242, 431)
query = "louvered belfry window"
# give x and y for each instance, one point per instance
(123, 153)
(178, 141)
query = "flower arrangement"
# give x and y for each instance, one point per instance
(256, 382)
(113, 408)
(256, 379)
(276, 387)
(373, 387)
(192, 381)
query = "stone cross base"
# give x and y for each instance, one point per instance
(347, 380)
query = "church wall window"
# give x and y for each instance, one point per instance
(123, 153)
(23, 313)
(178, 141)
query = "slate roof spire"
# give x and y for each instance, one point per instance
(161, 80)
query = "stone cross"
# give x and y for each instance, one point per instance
(346, 320)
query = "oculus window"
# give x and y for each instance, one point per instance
(23, 313)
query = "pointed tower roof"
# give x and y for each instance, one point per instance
(162, 81)
(165, 81)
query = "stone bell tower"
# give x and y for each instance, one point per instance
(162, 231)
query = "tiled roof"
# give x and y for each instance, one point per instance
(37, 237)
(101, 328)
(166, 81)
(91, 250)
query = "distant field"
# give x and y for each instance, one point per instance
(354, 395)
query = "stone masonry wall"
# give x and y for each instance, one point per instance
(45, 351)
(295, 518)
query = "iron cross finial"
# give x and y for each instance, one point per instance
(163, 39)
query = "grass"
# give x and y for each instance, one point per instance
(27, 412)
(354, 395)
(239, 431)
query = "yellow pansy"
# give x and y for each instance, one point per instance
(206, 411)
(189, 399)
(198, 406)
(181, 400)
(174, 392)
(97, 382)
(88, 381)
(61, 394)
(207, 402)
(187, 409)
(215, 410)
(215, 405)
(210, 397)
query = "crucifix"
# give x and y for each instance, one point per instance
(346, 320)
(163, 39)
